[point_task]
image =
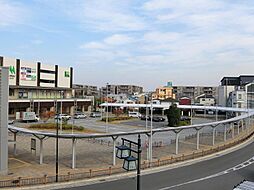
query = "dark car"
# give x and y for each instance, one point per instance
(143, 117)
(158, 119)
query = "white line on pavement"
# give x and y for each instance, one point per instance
(237, 167)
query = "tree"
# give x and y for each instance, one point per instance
(173, 115)
(47, 115)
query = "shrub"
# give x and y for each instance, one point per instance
(111, 119)
(53, 126)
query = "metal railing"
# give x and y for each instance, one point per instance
(91, 173)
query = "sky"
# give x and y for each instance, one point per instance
(140, 42)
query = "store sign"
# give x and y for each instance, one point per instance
(12, 72)
(66, 74)
(28, 74)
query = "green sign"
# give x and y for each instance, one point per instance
(12, 70)
(66, 73)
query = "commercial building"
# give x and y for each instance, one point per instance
(121, 89)
(236, 91)
(38, 87)
(165, 92)
(194, 91)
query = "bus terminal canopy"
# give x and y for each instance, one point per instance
(166, 106)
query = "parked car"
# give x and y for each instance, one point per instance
(79, 116)
(134, 114)
(158, 119)
(62, 116)
(185, 118)
(10, 122)
(143, 117)
(95, 114)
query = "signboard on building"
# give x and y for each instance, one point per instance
(28, 74)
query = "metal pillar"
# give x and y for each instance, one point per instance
(114, 150)
(177, 141)
(213, 136)
(238, 128)
(225, 132)
(198, 131)
(233, 130)
(74, 141)
(151, 136)
(41, 151)
(15, 143)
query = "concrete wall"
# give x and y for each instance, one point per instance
(64, 77)
(4, 92)
(11, 63)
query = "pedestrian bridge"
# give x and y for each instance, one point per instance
(243, 121)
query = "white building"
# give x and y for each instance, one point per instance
(206, 100)
(39, 87)
(223, 94)
(237, 99)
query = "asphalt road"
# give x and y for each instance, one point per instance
(218, 173)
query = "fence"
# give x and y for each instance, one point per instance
(115, 170)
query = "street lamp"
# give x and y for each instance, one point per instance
(123, 151)
(130, 162)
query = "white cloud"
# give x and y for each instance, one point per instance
(93, 45)
(118, 39)
(109, 15)
(11, 13)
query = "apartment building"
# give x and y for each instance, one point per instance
(85, 90)
(162, 93)
(38, 87)
(194, 91)
(121, 89)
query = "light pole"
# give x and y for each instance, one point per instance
(191, 114)
(130, 162)
(61, 111)
(107, 110)
(151, 135)
(57, 145)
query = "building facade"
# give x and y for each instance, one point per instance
(164, 92)
(194, 91)
(39, 88)
(121, 89)
(232, 91)
(85, 90)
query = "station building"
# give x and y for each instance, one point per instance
(37, 87)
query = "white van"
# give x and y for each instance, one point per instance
(134, 114)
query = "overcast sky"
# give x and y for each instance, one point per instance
(142, 42)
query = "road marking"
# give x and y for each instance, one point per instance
(237, 167)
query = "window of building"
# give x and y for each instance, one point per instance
(11, 92)
(239, 96)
